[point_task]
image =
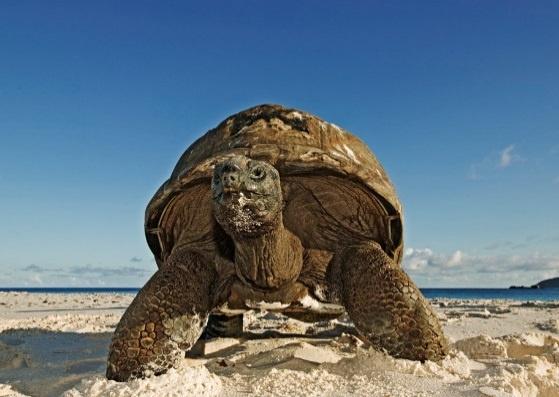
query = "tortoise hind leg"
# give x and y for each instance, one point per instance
(385, 305)
(167, 316)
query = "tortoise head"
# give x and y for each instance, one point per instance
(247, 197)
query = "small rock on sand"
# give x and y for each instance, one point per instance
(483, 314)
(551, 325)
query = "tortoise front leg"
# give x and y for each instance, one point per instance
(385, 305)
(166, 317)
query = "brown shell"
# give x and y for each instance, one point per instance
(336, 191)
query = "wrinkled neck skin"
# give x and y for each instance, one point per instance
(247, 202)
(268, 260)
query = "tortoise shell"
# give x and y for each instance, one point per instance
(336, 192)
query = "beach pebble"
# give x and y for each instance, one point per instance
(483, 314)
(499, 309)
(551, 325)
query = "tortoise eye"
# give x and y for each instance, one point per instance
(257, 173)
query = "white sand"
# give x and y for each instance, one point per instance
(56, 344)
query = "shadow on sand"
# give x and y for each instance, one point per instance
(37, 362)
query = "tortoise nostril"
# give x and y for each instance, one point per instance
(229, 178)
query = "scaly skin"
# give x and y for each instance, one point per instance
(166, 317)
(385, 305)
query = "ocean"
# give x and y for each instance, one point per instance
(543, 294)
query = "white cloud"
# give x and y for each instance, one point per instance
(496, 160)
(506, 156)
(424, 258)
(428, 268)
(455, 259)
(78, 275)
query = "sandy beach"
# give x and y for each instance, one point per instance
(56, 344)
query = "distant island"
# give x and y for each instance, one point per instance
(549, 283)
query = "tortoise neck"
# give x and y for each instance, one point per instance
(269, 260)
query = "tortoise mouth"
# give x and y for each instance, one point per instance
(253, 203)
(236, 193)
(241, 196)
(245, 212)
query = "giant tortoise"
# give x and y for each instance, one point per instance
(274, 209)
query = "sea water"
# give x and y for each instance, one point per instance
(524, 294)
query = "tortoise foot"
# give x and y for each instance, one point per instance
(166, 317)
(386, 306)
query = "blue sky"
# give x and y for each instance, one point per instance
(458, 99)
